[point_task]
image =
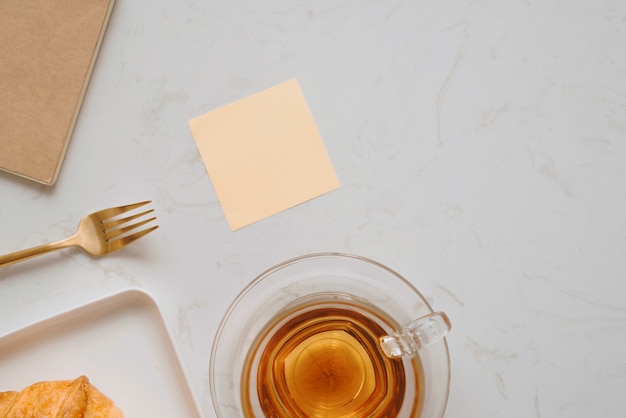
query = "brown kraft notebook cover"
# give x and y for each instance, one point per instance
(47, 52)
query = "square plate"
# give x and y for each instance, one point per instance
(120, 342)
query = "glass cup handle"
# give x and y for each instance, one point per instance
(416, 334)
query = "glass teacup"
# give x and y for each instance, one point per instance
(330, 335)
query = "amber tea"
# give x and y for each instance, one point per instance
(327, 336)
(325, 361)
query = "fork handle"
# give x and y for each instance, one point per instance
(12, 258)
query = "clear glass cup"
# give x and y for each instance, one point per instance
(330, 335)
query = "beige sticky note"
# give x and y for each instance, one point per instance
(263, 154)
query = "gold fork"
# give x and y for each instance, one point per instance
(100, 233)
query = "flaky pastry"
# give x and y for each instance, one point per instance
(58, 399)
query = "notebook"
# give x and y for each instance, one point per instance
(47, 52)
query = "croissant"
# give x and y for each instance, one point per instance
(58, 399)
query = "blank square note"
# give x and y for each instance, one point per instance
(263, 154)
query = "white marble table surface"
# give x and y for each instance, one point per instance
(481, 151)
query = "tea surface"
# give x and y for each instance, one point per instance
(327, 363)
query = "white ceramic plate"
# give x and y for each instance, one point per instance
(120, 342)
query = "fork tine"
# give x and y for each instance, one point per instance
(112, 223)
(124, 241)
(117, 232)
(109, 213)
